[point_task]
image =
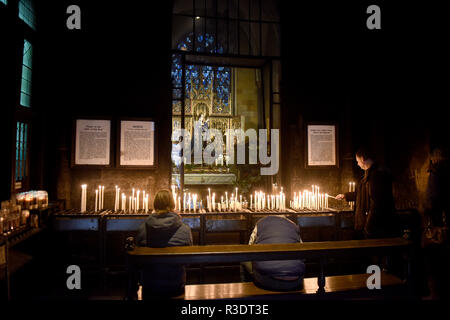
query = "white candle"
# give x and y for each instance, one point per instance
(226, 200)
(96, 200)
(179, 203)
(251, 201)
(103, 195)
(99, 198)
(189, 202)
(137, 199)
(124, 200)
(118, 198)
(83, 198)
(130, 208)
(143, 199)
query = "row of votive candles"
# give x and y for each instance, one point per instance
(263, 201)
(232, 203)
(191, 202)
(132, 203)
(308, 200)
(32, 199)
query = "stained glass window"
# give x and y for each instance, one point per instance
(21, 151)
(202, 80)
(25, 88)
(26, 13)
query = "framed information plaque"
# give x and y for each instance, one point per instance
(92, 142)
(137, 143)
(322, 149)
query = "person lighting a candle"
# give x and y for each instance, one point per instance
(374, 209)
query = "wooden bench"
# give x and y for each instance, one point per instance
(319, 251)
(335, 287)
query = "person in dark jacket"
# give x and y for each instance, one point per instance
(438, 188)
(436, 214)
(163, 228)
(278, 275)
(375, 207)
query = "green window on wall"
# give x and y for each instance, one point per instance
(26, 13)
(25, 88)
(21, 151)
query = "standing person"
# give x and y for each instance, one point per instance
(374, 209)
(278, 275)
(435, 224)
(163, 228)
(438, 188)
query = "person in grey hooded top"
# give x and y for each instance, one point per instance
(163, 228)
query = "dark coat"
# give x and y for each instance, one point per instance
(374, 208)
(438, 189)
(274, 229)
(164, 230)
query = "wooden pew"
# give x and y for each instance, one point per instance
(319, 251)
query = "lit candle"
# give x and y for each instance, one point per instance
(240, 202)
(143, 200)
(99, 198)
(179, 203)
(96, 200)
(189, 202)
(226, 200)
(124, 200)
(83, 198)
(103, 195)
(118, 198)
(137, 199)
